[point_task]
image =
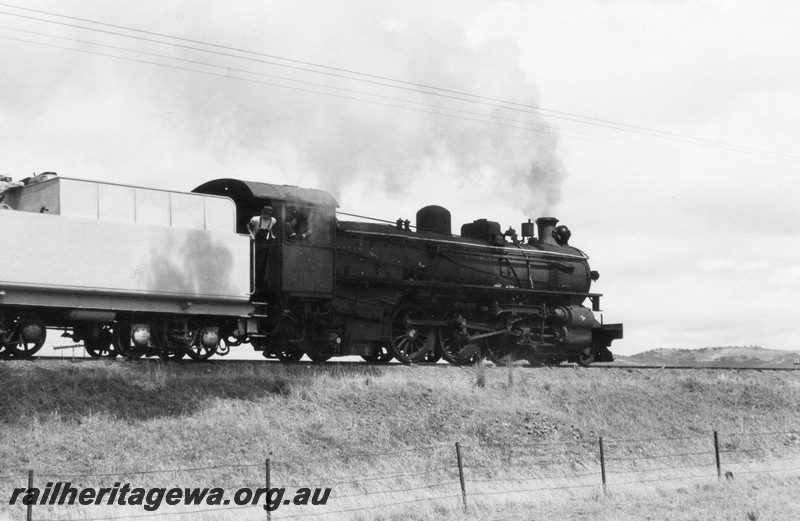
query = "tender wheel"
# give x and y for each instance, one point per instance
(101, 344)
(175, 339)
(27, 338)
(454, 343)
(410, 342)
(6, 333)
(124, 343)
(199, 352)
(382, 355)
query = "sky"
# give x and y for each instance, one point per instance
(664, 134)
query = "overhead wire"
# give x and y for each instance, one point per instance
(228, 76)
(527, 125)
(508, 105)
(436, 109)
(477, 116)
(420, 85)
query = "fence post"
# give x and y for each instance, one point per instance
(716, 454)
(269, 512)
(30, 503)
(603, 464)
(461, 474)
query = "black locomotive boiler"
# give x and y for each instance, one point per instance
(385, 291)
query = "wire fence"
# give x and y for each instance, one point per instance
(438, 476)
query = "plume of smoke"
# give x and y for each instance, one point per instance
(356, 133)
(387, 137)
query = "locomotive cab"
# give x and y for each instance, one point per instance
(301, 260)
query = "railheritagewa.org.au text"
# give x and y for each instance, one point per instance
(151, 499)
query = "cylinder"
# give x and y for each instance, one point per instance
(547, 226)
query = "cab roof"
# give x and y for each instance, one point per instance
(241, 191)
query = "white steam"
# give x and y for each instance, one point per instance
(391, 139)
(225, 121)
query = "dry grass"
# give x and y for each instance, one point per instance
(362, 430)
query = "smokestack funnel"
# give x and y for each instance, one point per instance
(547, 226)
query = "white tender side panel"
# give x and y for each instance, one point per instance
(82, 254)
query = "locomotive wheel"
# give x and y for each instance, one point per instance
(410, 343)
(326, 343)
(586, 358)
(19, 347)
(497, 351)
(317, 357)
(432, 357)
(124, 343)
(454, 344)
(382, 355)
(102, 346)
(537, 361)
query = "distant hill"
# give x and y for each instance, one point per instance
(731, 356)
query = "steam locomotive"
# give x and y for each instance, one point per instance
(138, 272)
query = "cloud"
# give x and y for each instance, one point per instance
(345, 131)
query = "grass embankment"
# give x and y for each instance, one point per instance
(386, 436)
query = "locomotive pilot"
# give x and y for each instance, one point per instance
(261, 228)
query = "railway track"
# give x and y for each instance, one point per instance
(394, 363)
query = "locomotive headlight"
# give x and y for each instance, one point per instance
(594, 275)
